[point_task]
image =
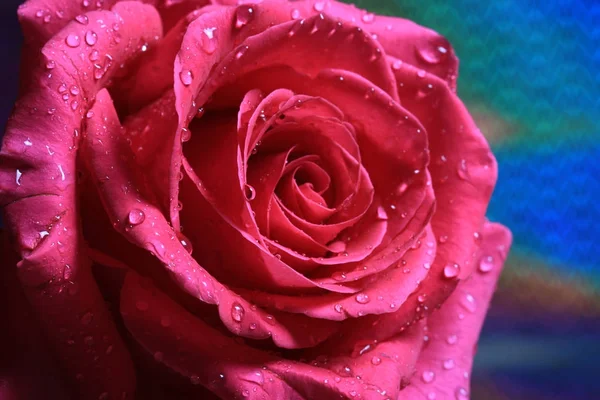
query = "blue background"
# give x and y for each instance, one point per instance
(530, 74)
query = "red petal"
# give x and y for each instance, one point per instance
(444, 366)
(109, 156)
(39, 145)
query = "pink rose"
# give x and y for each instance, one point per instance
(331, 184)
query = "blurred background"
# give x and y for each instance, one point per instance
(530, 75)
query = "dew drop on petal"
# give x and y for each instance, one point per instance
(87, 318)
(208, 41)
(195, 380)
(428, 376)
(243, 16)
(82, 19)
(250, 192)
(434, 51)
(295, 13)
(375, 360)
(136, 216)
(362, 298)
(72, 40)
(186, 77)
(468, 302)
(486, 264)
(368, 18)
(448, 364)
(461, 393)
(91, 38)
(237, 312)
(452, 339)
(451, 271)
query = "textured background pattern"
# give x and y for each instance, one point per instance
(530, 74)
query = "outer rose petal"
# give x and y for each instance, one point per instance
(37, 188)
(233, 370)
(26, 356)
(444, 365)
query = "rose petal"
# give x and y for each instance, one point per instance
(41, 208)
(463, 169)
(26, 356)
(231, 369)
(454, 329)
(112, 158)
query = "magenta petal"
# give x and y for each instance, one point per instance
(37, 185)
(108, 156)
(444, 366)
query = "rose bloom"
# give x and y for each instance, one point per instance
(331, 184)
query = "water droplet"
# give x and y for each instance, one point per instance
(74, 90)
(338, 308)
(208, 41)
(443, 239)
(195, 380)
(250, 192)
(185, 242)
(82, 19)
(468, 302)
(451, 271)
(27, 142)
(109, 350)
(18, 177)
(295, 14)
(295, 28)
(338, 276)
(136, 217)
(87, 318)
(319, 6)
(433, 52)
(461, 393)
(431, 396)
(463, 170)
(243, 16)
(448, 364)
(72, 40)
(362, 298)
(421, 73)
(186, 77)
(237, 312)
(141, 305)
(486, 264)
(241, 51)
(421, 298)
(375, 360)
(428, 376)
(74, 105)
(252, 326)
(165, 321)
(368, 18)
(452, 339)
(94, 55)
(50, 64)
(91, 38)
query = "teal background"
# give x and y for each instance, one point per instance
(530, 75)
